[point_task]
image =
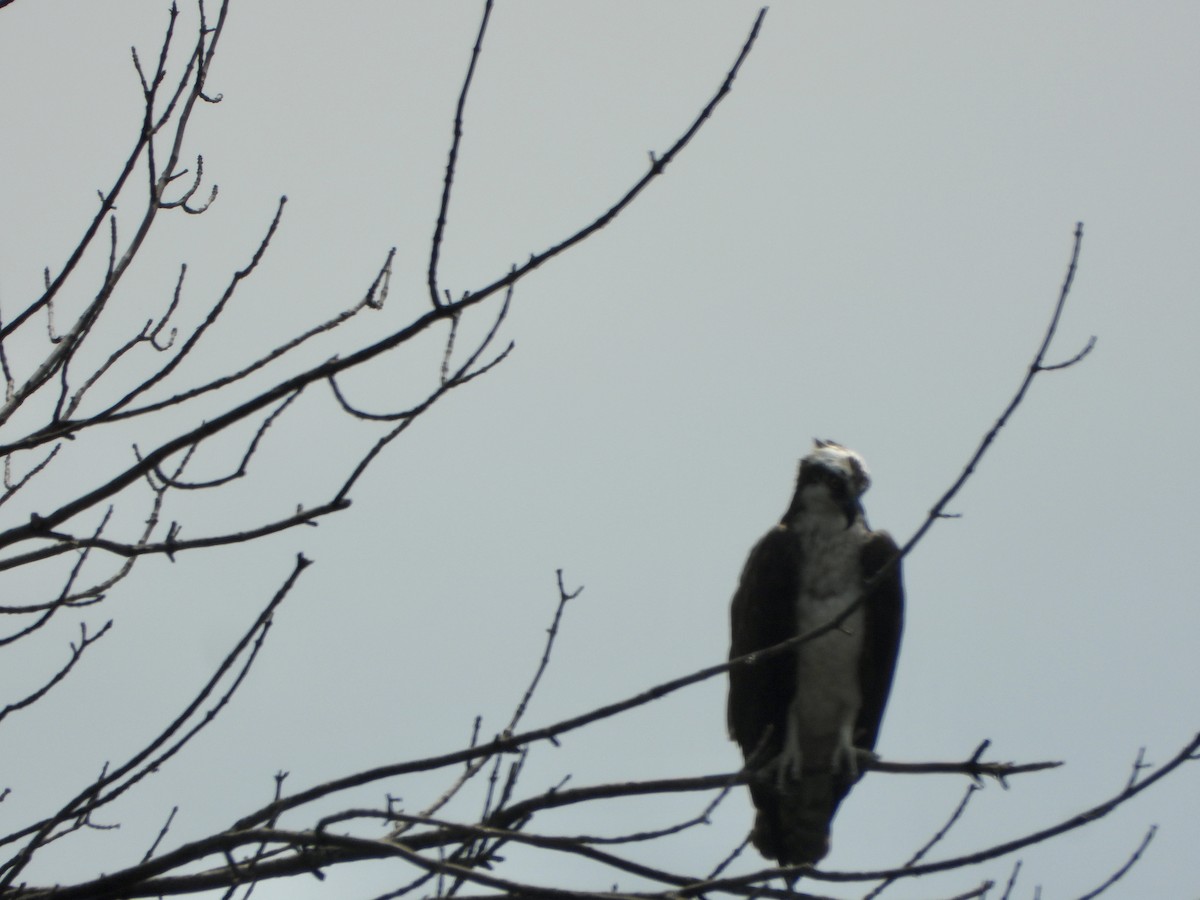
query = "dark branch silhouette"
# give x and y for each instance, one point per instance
(80, 550)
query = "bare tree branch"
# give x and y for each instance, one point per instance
(146, 761)
(77, 650)
(433, 853)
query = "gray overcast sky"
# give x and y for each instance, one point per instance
(864, 244)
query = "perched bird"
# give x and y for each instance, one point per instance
(807, 717)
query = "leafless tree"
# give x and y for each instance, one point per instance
(101, 371)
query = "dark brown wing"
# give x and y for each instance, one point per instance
(884, 623)
(763, 613)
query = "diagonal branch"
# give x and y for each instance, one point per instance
(332, 367)
(77, 651)
(938, 510)
(168, 742)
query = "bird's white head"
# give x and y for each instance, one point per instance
(833, 478)
(840, 461)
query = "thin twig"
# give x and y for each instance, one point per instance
(435, 245)
(77, 651)
(1121, 872)
(932, 842)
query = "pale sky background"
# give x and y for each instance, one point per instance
(863, 244)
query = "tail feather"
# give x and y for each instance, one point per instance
(792, 825)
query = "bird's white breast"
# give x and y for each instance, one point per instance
(828, 695)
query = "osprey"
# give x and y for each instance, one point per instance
(806, 718)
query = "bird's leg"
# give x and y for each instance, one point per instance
(789, 764)
(845, 754)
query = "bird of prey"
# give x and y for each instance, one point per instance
(807, 717)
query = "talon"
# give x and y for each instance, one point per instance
(789, 766)
(849, 762)
(864, 759)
